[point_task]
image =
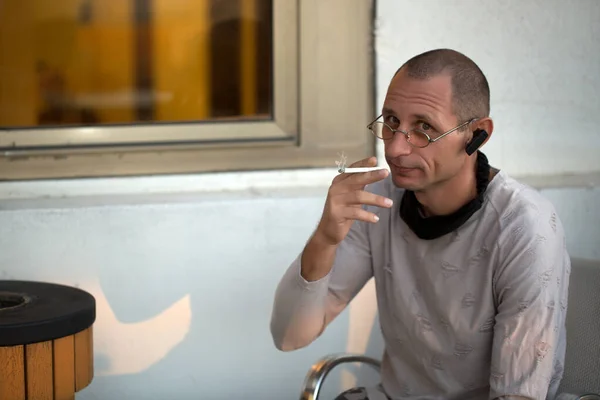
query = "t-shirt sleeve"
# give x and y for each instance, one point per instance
(302, 309)
(531, 291)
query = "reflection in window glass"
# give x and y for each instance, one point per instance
(82, 62)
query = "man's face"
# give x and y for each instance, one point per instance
(427, 105)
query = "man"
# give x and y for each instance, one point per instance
(470, 266)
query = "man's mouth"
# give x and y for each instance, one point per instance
(402, 169)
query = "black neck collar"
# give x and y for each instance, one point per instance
(433, 227)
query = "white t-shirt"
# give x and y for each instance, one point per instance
(478, 313)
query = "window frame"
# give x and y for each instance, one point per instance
(323, 100)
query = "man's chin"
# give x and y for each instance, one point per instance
(407, 183)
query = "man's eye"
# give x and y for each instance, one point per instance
(391, 120)
(425, 126)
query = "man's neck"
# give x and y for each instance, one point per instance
(449, 196)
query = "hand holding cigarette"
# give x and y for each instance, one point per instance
(346, 200)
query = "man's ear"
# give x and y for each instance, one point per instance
(485, 124)
(479, 138)
(480, 135)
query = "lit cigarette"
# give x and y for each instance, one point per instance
(358, 169)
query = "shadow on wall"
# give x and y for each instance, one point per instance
(184, 293)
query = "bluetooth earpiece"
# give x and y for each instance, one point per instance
(479, 136)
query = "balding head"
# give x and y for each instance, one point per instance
(470, 89)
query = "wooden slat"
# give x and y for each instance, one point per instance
(248, 48)
(83, 359)
(64, 368)
(91, 353)
(38, 358)
(12, 373)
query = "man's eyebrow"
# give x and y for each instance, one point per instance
(425, 117)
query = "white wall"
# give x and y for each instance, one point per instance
(184, 280)
(541, 57)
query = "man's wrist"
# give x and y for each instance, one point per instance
(320, 241)
(317, 258)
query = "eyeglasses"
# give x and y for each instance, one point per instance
(415, 137)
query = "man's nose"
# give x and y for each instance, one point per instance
(398, 145)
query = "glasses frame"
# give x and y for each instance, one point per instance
(407, 133)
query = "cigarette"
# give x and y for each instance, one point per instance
(358, 169)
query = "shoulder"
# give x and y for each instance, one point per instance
(529, 227)
(521, 207)
(531, 246)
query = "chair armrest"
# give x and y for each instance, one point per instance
(569, 396)
(319, 371)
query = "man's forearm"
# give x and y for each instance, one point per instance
(299, 311)
(304, 305)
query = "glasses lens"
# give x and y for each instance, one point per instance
(381, 130)
(418, 138)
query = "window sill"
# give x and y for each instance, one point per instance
(207, 187)
(164, 189)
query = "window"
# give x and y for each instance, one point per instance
(135, 87)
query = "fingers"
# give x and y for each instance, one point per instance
(366, 178)
(343, 182)
(359, 214)
(347, 194)
(341, 204)
(362, 197)
(365, 162)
